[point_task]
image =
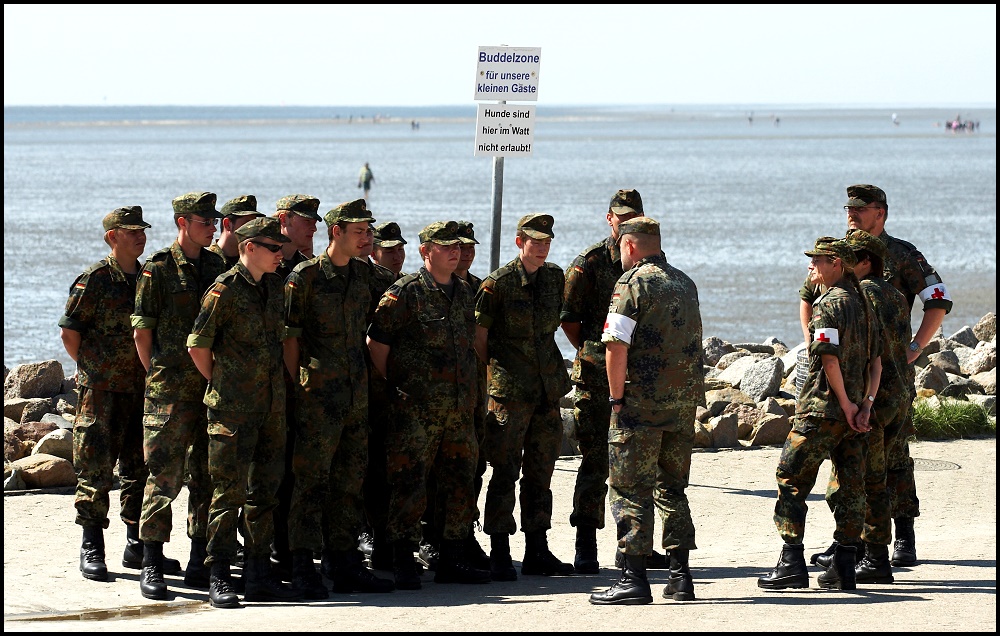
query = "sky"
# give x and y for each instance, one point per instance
(425, 55)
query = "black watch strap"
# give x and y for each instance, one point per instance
(613, 401)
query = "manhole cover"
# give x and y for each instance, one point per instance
(934, 464)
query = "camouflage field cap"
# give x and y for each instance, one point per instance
(466, 234)
(389, 235)
(838, 248)
(640, 225)
(301, 204)
(536, 226)
(861, 240)
(262, 227)
(862, 194)
(355, 211)
(243, 205)
(200, 203)
(626, 202)
(442, 233)
(126, 218)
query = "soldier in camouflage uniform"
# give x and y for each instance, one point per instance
(830, 421)
(235, 213)
(590, 279)
(327, 303)
(298, 215)
(517, 314)
(422, 341)
(236, 344)
(175, 438)
(389, 250)
(909, 272)
(652, 336)
(97, 334)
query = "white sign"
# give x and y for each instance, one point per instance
(506, 73)
(505, 130)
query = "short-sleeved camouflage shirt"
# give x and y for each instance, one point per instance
(522, 315)
(432, 357)
(242, 322)
(99, 307)
(840, 326)
(328, 312)
(167, 300)
(590, 281)
(655, 311)
(896, 333)
(908, 271)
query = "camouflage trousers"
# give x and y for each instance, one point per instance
(899, 479)
(329, 462)
(376, 485)
(421, 441)
(522, 439)
(108, 428)
(808, 444)
(593, 414)
(175, 445)
(649, 467)
(246, 458)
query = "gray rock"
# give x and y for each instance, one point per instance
(13, 448)
(780, 348)
(58, 419)
(36, 409)
(790, 359)
(45, 471)
(747, 416)
(772, 406)
(34, 380)
(701, 414)
(702, 436)
(15, 480)
(14, 408)
(725, 431)
(771, 430)
(59, 443)
(733, 374)
(714, 348)
(983, 358)
(932, 377)
(965, 336)
(570, 445)
(986, 328)
(987, 380)
(947, 361)
(69, 385)
(728, 359)
(988, 402)
(754, 347)
(960, 386)
(726, 396)
(763, 379)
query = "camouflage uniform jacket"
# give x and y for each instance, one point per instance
(229, 260)
(590, 280)
(522, 317)
(241, 321)
(328, 312)
(287, 265)
(432, 357)
(655, 311)
(894, 327)
(841, 327)
(100, 302)
(908, 271)
(167, 300)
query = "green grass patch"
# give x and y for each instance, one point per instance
(951, 420)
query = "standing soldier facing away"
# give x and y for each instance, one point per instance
(654, 367)
(517, 314)
(96, 332)
(236, 344)
(175, 429)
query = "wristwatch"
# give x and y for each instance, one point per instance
(915, 346)
(871, 398)
(613, 401)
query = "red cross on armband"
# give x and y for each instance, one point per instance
(937, 294)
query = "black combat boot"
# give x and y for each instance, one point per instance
(281, 562)
(428, 554)
(305, 578)
(631, 589)
(904, 550)
(197, 574)
(151, 583)
(654, 561)
(366, 541)
(823, 559)
(351, 575)
(585, 561)
(404, 568)
(789, 572)
(132, 557)
(539, 560)
(92, 554)
(840, 575)
(221, 592)
(454, 568)
(381, 555)
(474, 553)
(261, 584)
(501, 565)
(680, 586)
(874, 567)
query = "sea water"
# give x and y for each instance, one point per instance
(740, 191)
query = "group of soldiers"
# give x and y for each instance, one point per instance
(328, 406)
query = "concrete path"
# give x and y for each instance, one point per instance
(732, 498)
